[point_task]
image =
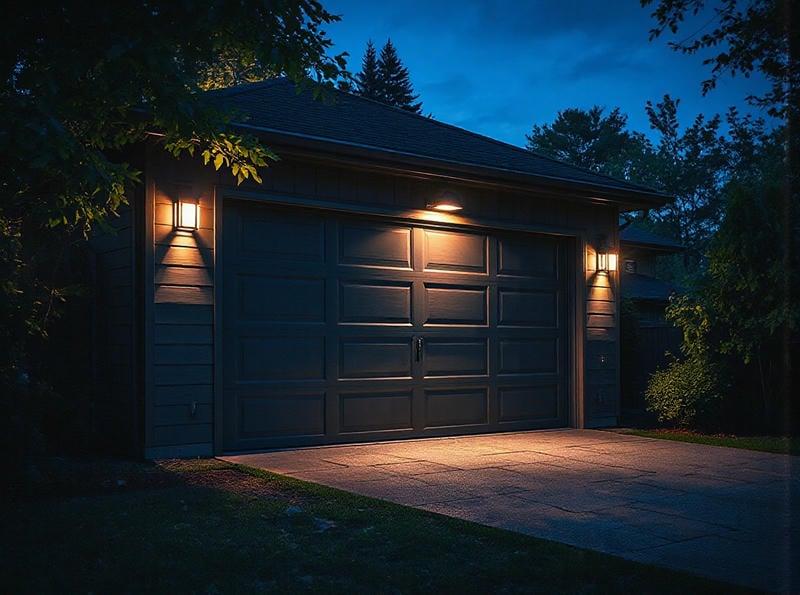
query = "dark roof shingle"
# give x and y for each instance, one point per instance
(275, 107)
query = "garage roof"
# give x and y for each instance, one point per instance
(275, 107)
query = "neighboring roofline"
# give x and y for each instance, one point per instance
(653, 247)
(647, 239)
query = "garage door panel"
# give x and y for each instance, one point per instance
(527, 256)
(375, 245)
(456, 305)
(375, 411)
(282, 237)
(455, 357)
(375, 302)
(275, 359)
(375, 357)
(529, 403)
(281, 415)
(280, 299)
(455, 251)
(456, 407)
(528, 356)
(518, 307)
(339, 328)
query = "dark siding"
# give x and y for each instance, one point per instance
(180, 356)
(601, 388)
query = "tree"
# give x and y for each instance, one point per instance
(395, 82)
(84, 85)
(384, 79)
(744, 270)
(368, 80)
(690, 165)
(596, 142)
(750, 36)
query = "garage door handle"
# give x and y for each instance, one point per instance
(418, 348)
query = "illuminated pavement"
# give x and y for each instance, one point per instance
(728, 514)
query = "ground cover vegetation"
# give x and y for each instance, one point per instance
(736, 212)
(206, 526)
(784, 445)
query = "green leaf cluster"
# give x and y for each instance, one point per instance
(686, 393)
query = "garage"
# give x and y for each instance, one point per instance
(344, 328)
(332, 300)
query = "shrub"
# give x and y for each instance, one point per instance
(687, 393)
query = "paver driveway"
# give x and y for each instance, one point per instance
(724, 513)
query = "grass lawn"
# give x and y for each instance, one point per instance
(775, 444)
(206, 526)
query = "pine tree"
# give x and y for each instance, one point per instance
(384, 79)
(395, 82)
(368, 82)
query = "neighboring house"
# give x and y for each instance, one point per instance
(653, 335)
(333, 303)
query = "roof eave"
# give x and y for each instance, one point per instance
(382, 158)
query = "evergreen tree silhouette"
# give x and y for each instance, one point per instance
(384, 79)
(368, 82)
(395, 82)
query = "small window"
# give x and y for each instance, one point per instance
(630, 266)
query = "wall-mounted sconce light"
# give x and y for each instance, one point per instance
(605, 259)
(187, 214)
(446, 202)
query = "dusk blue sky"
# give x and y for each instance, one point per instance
(498, 67)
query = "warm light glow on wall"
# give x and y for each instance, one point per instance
(187, 215)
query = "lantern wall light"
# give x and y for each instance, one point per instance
(186, 216)
(605, 259)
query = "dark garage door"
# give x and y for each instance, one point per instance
(342, 329)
